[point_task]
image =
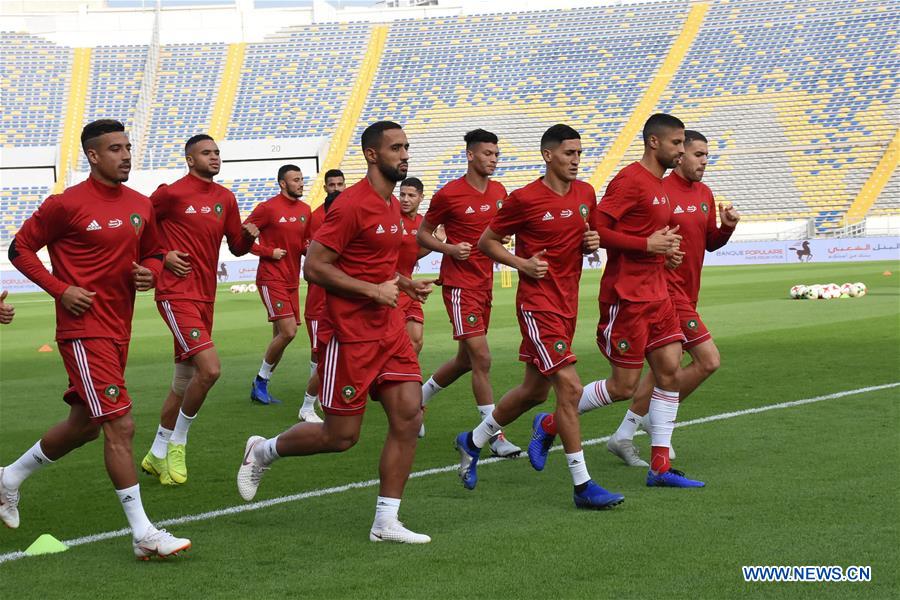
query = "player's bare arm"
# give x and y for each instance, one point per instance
(319, 269)
(426, 238)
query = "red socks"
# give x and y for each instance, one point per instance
(659, 459)
(548, 424)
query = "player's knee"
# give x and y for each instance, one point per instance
(480, 360)
(288, 334)
(120, 430)
(183, 373)
(343, 442)
(709, 363)
(208, 374)
(621, 390)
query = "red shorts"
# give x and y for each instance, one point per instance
(191, 325)
(546, 340)
(280, 302)
(692, 326)
(96, 368)
(629, 330)
(412, 309)
(350, 371)
(312, 329)
(469, 310)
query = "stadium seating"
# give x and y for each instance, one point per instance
(16, 205)
(251, 191)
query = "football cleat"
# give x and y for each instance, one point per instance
(159, 542)
(468, 461)
(672, 478)
(595, 497)
(175, 463)
(259, 392)
(157, 467)
(9, 505)
(502, 447)
(309, 416)
(540, 443)
(626, 450)
(393, 530)
(251, 471)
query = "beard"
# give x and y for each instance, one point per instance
(392, 173)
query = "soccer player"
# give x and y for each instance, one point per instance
(283, 223)
(464, 207)
(412, 192)
(364, 345)
(103, 246)
(693, 212)
(334, 181)
(193, 214)
(550, 218)
(637, 317)
(7, 311)
(314, 312)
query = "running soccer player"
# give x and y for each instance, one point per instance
(314, 312)
(283, 223)
(103, 246)
(694, 214)
(7, 311)
(464, 207)
(412, 192)
(637, 316)
(364, 347)
(550, 218)
(192, 214)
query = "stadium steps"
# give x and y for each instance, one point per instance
(667, 70)
(877, 181)
(74, 119)
(352, 111)
(228, 88)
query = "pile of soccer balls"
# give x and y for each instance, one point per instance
(828, 291)
(242, 288)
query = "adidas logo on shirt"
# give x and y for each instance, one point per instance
(547, 216)
(655, 200)
(380, 229)
(94, 226)
(282, 220)
(190, 211)
(678, 210)
(470, 210)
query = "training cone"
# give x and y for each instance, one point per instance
(887, 273)
(46, 544)
(45, 348)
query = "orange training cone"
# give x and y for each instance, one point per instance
(45, 348)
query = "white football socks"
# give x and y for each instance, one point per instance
(429, 389)
(182, 424)
(265, 452)
(32, 460)
(160, 445)
(265, 370)
(309, 403)
(134, 510)
(663, 410)
(487, 429)
(594, 396)
(628, 426)
(578, 468)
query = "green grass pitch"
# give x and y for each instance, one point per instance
(815, 484)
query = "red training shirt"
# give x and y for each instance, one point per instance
(694, 211)
(409, 247)
(365, 232)
(637, 203)
(283, 223)
(93, 233)
(465, 213)
(314, 305)
(541, 219)
(193, 215)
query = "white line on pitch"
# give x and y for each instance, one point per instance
(232, 510)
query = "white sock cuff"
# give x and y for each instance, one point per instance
(485, 410)
(664, 395)
(38, 453)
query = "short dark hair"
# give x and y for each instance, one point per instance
(197, 138)
(656, 123)
(95, 129)
(413, 182)
(371, 137)
(557, 135)
(694, 136)
(479, 136)
(334, 173)
(329, 199)
(285, 169)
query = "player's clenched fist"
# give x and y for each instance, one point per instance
(250, 231)
(76, 300)
(387, 292)
(728, 214)
(591, 240)
(663, 240)
(461, 251)
(674, 258)
(143, 277)
(535, 267)
(278, 253)
(420, 289)
(6, 310)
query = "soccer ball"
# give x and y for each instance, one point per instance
(242, 288)
(251, 288)
(832, 290)
(847, 289)
(861, 289)
(797, 292)
(811, 293)
(235, 289)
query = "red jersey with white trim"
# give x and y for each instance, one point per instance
(282, 223)
(193, 215)
(314, 304)
(409, 247)
(541, 219)
(465, 213)
(93, 233)
(636, 200)
(365, 232)
(694, 211)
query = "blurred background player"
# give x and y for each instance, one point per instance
(193, 215)
(7, 311)
(412, 192)
(550, 219)
(103, 246)
(334, 181)
(283, 223)
(637, 316)
(464, 207)
(366, 349)
(314, 306)
(693, 212)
